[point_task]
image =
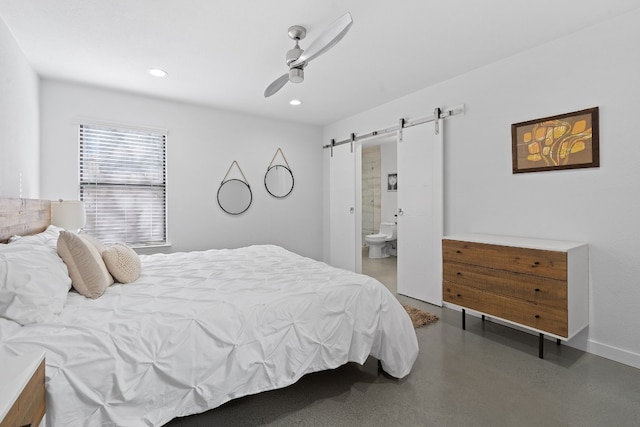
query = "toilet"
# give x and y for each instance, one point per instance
(380, 243)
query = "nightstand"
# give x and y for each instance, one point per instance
(22, 393)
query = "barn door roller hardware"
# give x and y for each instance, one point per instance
(402, 124)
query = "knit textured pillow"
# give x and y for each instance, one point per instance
(122, 262)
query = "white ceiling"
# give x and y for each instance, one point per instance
(224, 53)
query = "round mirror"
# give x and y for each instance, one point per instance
(234, 196)
(279, 181)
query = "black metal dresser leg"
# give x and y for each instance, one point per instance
(464, 326)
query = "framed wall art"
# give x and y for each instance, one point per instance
(565, 141)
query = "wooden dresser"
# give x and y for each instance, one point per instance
(540, 285)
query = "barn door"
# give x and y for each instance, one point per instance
(342, 208)
(420, 212)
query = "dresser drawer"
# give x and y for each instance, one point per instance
(535, 262)
(545, 318)
(534, 289)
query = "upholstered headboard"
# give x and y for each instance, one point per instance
(22, 217)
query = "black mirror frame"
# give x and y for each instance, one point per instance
(250, 196)
(292, 181)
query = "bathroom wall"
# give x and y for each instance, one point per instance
(378, 203)
(371, 189)
(388, 199)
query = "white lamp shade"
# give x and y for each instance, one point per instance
(68, 214)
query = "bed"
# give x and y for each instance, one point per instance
(198, 329)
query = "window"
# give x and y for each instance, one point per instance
(123, 184)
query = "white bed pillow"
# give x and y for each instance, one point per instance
(48, 237)
(122, 262)
(89, 274)
(34, 283)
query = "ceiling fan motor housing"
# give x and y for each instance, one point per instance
(296, 75)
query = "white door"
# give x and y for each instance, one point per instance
(420, 211)
(342, 223)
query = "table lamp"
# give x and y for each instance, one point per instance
(68, 214)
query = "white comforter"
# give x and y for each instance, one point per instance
(198, 329)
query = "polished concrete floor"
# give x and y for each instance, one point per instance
(383, 269)
(486, 375)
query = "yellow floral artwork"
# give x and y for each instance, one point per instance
(566, 141)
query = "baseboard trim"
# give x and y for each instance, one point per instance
(614, 353)
(580, 341)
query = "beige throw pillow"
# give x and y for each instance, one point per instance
(93, 240)
(89, 275)
(122, 262)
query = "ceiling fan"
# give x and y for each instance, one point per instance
(297, 58)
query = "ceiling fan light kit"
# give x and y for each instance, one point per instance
(296, 75)
(297, 58)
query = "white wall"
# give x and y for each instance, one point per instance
(19, 121)
(597, 66)
(201, 145)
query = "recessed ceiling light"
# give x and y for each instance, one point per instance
(157, 72)
(295, 102)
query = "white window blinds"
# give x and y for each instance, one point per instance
(123, 184)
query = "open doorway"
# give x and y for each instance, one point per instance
(419, 208)
(379, 206)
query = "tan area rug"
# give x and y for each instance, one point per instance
(419, 317)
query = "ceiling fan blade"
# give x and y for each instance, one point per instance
(276, 85)
(332, 35)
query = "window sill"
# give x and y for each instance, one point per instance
(152, 249)
(163, 245)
